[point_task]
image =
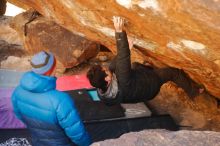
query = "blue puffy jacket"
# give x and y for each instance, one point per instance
(50, 115)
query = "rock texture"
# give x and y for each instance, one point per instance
(200, 113)
(164, 138)
(7, 49)
(42, 34)
(16, 63)
(7, 33)
(2, 7)
(11, 49)
(184, 34)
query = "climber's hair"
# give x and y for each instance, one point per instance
(96, 76)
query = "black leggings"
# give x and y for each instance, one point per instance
(180, 78)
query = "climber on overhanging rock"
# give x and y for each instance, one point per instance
(123, 83)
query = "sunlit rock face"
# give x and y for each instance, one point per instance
(183, 34)
(43, 34)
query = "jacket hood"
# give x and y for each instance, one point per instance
(37, 83)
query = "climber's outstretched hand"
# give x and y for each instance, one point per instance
(118, 23)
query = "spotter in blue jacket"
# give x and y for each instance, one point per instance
(50, 115)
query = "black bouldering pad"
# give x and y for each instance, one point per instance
(106, 122)
(90, 110)
(103, 130)
(100, 131)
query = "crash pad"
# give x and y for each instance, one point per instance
(8, 119)
(102, 130)
(93, 94)
(90, 110)
(73, 82)
(11, 78)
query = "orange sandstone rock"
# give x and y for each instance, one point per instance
(182, 34)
